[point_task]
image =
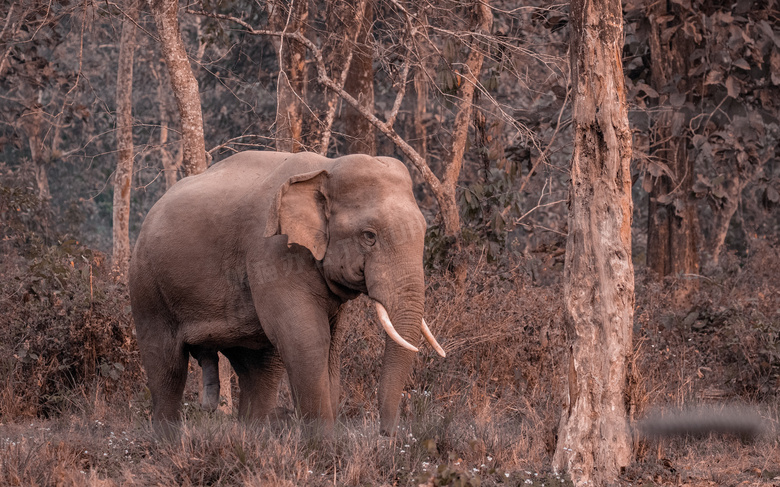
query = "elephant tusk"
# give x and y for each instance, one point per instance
(390, 330)
(431, 339)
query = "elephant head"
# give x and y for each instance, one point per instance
(360, 220)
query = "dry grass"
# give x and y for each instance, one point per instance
(487, 413)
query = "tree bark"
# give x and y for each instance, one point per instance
(723, 216)
(470, 79)
(184, 84)
(292, 80)
(225, 385)
(420, 110)
(170, 166)
(124, 166)
(673, 224)
(593, 440)
(360, 84)
(345, 22)
(32, 121)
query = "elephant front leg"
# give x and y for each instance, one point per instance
(305, 348)
(334, 363)
(334, 375)
(295, 318)
(309, 372)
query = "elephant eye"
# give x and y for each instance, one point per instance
(369, 237)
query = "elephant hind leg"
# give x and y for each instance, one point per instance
(166, 371)
(259, 374)
(209, 364)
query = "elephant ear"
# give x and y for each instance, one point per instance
(300, 211)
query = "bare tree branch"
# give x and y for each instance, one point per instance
(399, 97)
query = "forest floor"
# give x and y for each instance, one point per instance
(485, 415)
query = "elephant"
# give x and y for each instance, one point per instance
(255, 257)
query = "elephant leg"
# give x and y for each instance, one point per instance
(334, 364)
(309, 371)
(209, 364)
(334, 373)
(166, 364)
(298, 326)
(259, 374)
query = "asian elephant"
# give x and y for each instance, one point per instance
(255, 257)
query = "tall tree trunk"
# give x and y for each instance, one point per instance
(483, 17)
(33, 126)
(292, 81)
(673, 224)
(420, 110)
(184, 84)
(345, 22)
(169, 164)
(593, 440)
(32, 123)
(722, 216)
(360, 84)
(419, 133)
(124, 166)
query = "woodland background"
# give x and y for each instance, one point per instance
(485, 105)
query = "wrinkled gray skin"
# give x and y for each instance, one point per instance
(255, 257)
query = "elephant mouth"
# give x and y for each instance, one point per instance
(384, 319)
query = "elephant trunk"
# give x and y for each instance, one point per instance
(403, 296)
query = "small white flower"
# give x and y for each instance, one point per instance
(490, 459)
(529, 481)
(506, 474)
